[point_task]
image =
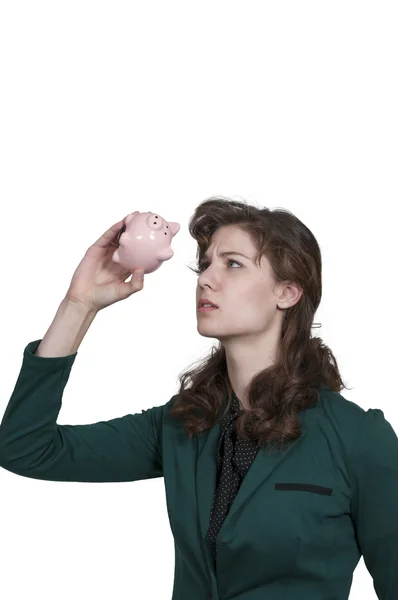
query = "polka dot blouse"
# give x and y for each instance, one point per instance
(234, 458)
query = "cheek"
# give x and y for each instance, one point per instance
(259, 308)
(251, 310)
(257, 300)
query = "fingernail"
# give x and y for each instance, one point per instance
(140, 274)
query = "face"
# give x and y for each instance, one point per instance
(246, 294)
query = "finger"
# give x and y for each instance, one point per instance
(119, 235)
(109, 235)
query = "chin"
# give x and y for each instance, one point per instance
(202, 331)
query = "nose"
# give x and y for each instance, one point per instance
(206, 276)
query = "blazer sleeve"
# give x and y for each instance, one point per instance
(374, 504)
(32, 444)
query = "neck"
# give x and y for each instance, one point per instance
(245, 358)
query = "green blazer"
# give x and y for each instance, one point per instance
(299, 524)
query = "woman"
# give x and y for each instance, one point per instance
(275, 483)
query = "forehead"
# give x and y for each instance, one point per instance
(234, 237)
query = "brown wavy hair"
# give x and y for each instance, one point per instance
(305, 363)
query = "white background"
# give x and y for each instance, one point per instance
(111, 107)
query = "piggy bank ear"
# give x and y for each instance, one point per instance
(174, 227)
(131, 216)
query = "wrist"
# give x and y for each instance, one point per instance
(77, 308)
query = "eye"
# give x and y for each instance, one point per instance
(203, 266)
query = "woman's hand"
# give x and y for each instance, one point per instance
(98, 281)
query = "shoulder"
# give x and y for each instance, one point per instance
(365, 431)
(334, 405)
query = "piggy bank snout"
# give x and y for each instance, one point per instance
(154, 222)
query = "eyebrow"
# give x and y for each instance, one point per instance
(228, 252)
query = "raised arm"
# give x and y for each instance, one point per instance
(32, 444)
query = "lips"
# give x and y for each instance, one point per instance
(204, 301)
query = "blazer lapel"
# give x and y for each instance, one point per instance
(261, 469)
(206, 474)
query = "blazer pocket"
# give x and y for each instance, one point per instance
(305, 487)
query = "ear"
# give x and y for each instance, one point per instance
(290, 294)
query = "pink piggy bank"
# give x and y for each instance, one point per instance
(145, 241)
